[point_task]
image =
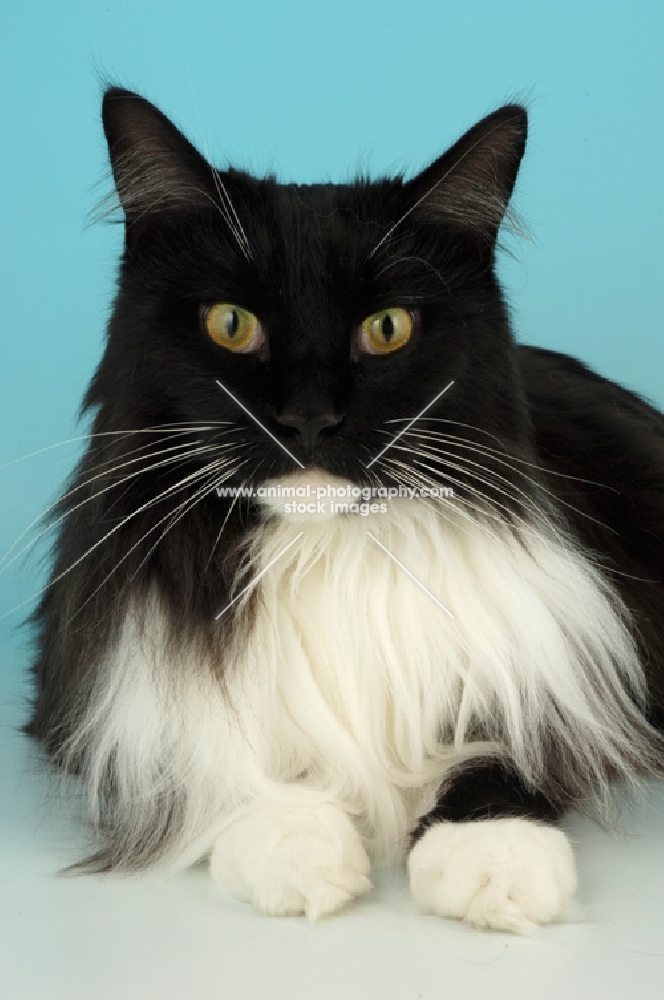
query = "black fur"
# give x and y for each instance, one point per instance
(488, 789)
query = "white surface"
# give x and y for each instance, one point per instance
(183, 938)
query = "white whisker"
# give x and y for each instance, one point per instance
(449, 460)
(540, 486)
(228, 514)
(174, 488)
(209, 475)
(417, 479)
(503, 451)
(180, 456)
(88, 437)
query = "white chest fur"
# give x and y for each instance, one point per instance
(370, 690)
(355, 686)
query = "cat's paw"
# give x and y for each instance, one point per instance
(289, 859)
(503, 874)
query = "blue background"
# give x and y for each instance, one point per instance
(318, 92)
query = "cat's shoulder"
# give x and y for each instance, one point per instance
(552, 379)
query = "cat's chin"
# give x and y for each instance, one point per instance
(305, 495)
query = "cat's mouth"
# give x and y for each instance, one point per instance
(309, 494)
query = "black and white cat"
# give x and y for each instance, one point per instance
(298, 692)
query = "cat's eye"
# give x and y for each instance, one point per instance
(385, 331)
(232, 327)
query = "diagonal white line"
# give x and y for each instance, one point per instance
(409, 425)
(257, 421)
(413, 578)
(255, 580)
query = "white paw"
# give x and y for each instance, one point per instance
(504, 874)
(288, 859)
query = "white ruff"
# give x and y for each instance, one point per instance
(356, 689)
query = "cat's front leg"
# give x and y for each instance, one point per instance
(490, 855)
(289, 858)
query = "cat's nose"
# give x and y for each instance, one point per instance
(309, 427)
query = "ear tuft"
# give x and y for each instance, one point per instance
(471, 184)
(154, 166)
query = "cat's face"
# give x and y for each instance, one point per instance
(328, 316)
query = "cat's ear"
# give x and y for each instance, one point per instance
(472, 182)
(154, 166)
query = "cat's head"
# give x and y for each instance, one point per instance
(326, 315)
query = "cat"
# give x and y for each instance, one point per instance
(302, 688)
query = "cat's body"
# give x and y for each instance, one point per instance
(445, 672)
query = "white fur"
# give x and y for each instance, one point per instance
(502, 874)
(288, 860)
(354, 690)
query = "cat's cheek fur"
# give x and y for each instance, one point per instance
(503, 874)
(291, 859)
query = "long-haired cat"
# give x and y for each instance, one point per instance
(432, 669)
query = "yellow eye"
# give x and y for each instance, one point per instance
(385, 331)
(232, 327)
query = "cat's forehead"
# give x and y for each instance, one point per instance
(361, 191)
(330, 207)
